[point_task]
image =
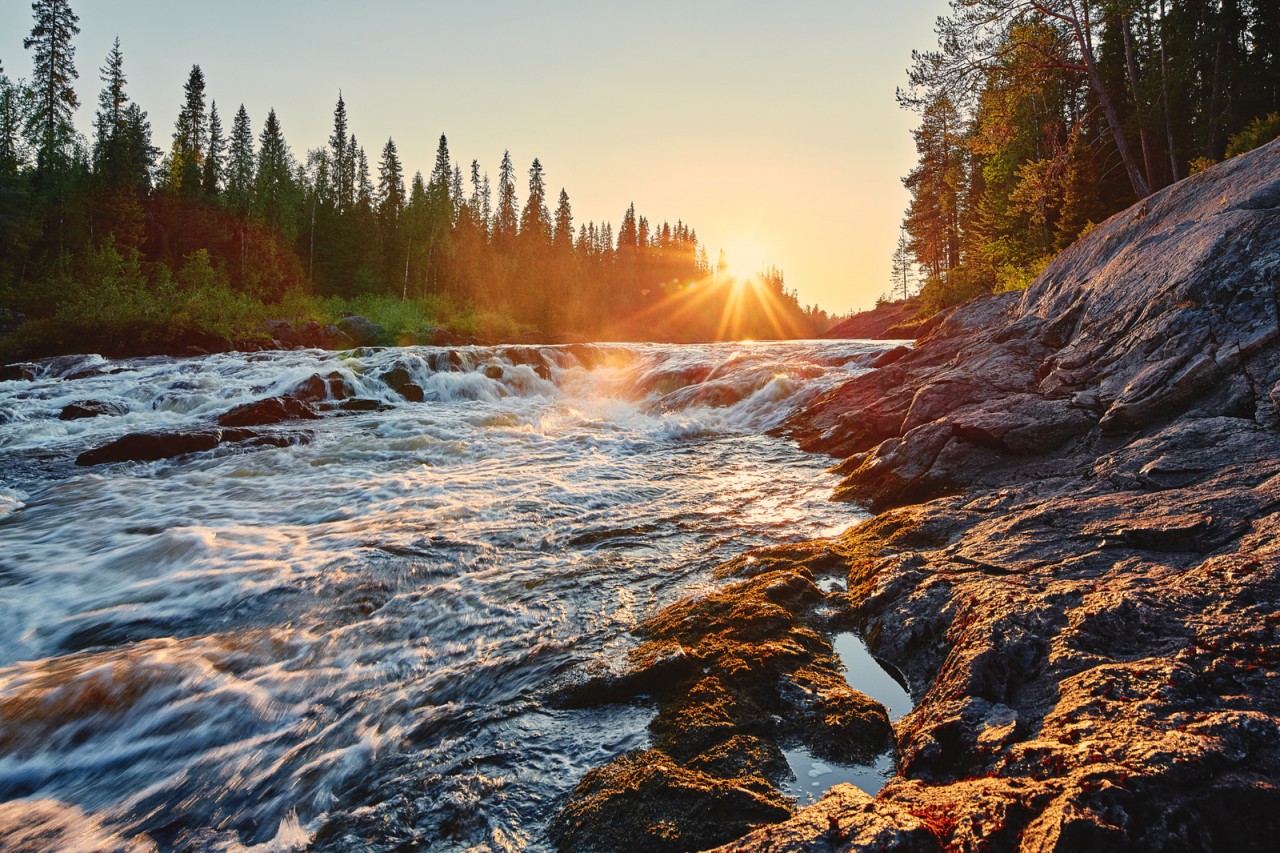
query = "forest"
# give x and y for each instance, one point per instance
(116, 244)
(1038, 120)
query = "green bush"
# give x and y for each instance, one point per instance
(1256, 133)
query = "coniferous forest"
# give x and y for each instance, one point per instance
(1039, 120)
(122, 244)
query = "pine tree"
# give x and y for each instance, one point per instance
(49, 124)
(363, 182)
(240, 165)
(901, 274)
(628, 234)
(214, 165)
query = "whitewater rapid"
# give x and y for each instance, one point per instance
(353, 636)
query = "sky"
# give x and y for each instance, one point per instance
(770, 127)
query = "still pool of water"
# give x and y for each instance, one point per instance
(353, 636)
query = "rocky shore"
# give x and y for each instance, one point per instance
(1075, 566)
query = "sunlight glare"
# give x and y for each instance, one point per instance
(746, 256)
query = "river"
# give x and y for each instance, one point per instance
(354, 635)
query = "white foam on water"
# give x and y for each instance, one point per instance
(256, 642)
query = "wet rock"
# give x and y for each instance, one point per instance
(363, 333)
(400, 380)
(889, 357)
(319, 389)
(733, 675)
(844, 819)
(91, 409)
(1077, 569)
(152, 446)
(272, 410)
(645, 801)
(362, 404)
(18, 373)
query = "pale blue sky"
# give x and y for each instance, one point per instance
(771, 127)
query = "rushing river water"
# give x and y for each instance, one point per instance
(352, 637)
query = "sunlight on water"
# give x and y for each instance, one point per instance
(352, 637)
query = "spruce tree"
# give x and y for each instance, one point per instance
(455, 192)
(343, 170)
(439, 187)
(10, 127)
(186, 162)
(563, 236)
(214, 167)
(390, 187)
(505, 222)
(112, 102)
(240, 165)
(273, 184)
(49, 124)
(535, 221)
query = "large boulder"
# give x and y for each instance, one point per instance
(1075, 565)
(272, 410)
(91, 409)
(153, 446)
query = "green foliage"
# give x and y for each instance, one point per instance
(1037, 120)
(109, 252)
(1256, 133)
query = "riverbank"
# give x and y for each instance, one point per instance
(1075, 562)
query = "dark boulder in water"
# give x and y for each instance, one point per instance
(400, 380)
(272, 410)
(152, 446)
(90, 409)
(319, 389)
(17, 373)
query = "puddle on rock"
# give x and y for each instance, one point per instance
(814, 777)
(868, 675)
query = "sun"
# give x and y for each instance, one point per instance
(746, 256)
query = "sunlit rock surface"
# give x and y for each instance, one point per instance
(1077, 570)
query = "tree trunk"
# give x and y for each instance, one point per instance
(1131, 66)
(1085, 42)
(1164, 99)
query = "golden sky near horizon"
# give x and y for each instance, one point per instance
(772, 128)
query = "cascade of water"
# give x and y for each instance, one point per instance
(280, 643)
